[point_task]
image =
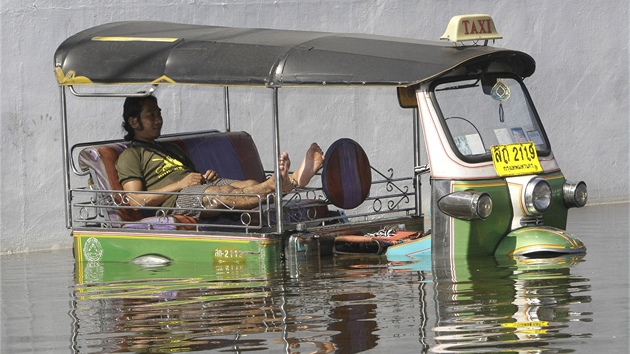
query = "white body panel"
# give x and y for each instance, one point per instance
(445, 164)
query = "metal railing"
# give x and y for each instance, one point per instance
(303, 208)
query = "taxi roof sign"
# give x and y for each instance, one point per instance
(471, 28)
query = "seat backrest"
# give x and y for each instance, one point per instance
(100, 161)
(346, 174)
(232, 154)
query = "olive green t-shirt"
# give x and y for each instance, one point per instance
(155, 168)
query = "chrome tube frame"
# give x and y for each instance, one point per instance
(68, 164)
(416, 160)
(276, 154)
(65, 153)
(226, 93)
(112, 94)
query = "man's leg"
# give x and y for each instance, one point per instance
(230, 197)
(246, 194)
(310, 165)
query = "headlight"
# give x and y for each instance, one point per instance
(537, 196)
(467, 205)
(575, 194)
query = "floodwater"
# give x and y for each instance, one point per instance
(336, 305)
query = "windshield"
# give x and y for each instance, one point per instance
(480, 113)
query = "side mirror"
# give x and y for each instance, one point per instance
(407, 97)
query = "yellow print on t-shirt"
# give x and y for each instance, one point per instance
(168, 165)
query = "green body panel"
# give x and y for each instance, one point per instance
(111, 246)
(480, 237)
(557, 214)
(175, 273)
(539, 239)
(162, 284)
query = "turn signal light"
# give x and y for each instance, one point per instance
(575, 194)
(466, 205)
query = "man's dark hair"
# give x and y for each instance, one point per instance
(133, 108)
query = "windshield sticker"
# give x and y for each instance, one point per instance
(519, 135)
(500, 91)
(503, 136)
(470, 144)
(535, 136)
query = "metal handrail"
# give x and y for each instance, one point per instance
(80, 172)
(113, 94)
(98, 202)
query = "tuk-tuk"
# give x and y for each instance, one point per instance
(496, 187)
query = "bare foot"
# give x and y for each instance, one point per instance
(284, 163)
(310, 165)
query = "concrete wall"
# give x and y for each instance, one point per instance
(580, 87)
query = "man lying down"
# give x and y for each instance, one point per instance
(148, 165)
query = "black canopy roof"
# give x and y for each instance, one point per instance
(156, 52)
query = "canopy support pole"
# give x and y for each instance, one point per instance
(65, 153)
(276, 152)
(226, 92)
(416, 160)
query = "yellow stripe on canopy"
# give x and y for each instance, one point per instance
(134, 39)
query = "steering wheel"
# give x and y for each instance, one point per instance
(471, 124)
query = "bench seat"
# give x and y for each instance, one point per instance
(232, 154)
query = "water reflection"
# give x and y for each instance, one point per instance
(339, 305)
(355, 322)
(505, 305)
(181, 307)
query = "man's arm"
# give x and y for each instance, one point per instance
(155, 198)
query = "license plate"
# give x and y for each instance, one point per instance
(515, 159)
